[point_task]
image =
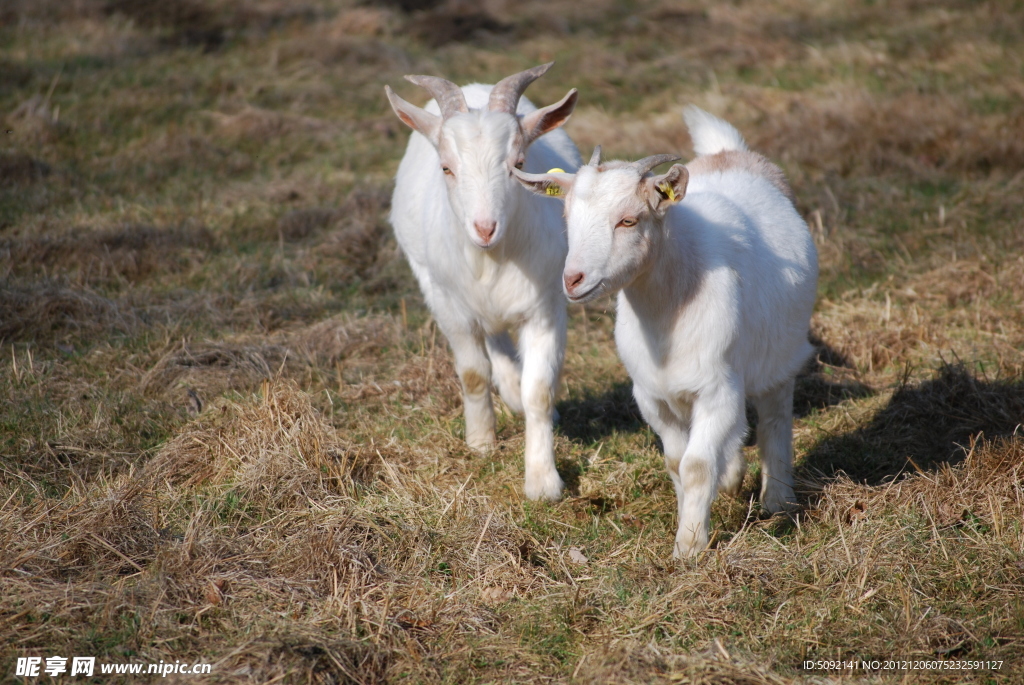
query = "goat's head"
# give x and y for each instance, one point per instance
(614, 213)
(479, 149)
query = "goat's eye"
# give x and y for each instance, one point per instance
(627, 222)
(519, 165)
(446, 170)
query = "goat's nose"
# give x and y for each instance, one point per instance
(485, 229)
(572, 280)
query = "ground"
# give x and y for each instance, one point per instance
(232, 433)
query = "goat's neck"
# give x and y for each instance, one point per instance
(666, 281)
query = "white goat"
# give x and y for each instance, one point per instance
(715, 300)
(487, 254)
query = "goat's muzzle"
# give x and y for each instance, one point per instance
(572, 280)
(485, 229)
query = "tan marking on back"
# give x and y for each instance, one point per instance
(745, 161)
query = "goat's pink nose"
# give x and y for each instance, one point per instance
(485, 229)
(572, 280)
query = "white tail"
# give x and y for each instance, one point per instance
(710, 134)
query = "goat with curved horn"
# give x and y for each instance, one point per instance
(647, 163)
(449, 96)
(487, 256)
(507, 91)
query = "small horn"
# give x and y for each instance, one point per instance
(595, 159)
(506, 93)
(647, 163)
(448, 95)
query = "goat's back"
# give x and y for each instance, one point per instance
(759, 261)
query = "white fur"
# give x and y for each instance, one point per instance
(476, 293)
(716, 294)
(710, 134)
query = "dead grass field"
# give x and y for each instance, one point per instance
(231, 433)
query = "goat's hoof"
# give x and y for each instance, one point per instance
(688, 551)
(515, 410)
(482, 445)
(545, 487)
(731, 489)
(781, 501)
(689, 544)
(514, 404)
(732, 480)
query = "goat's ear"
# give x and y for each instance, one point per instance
(667, 189)
(537, 123)
(555, 184)
(416, 118)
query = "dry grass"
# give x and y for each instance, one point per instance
(232, 432)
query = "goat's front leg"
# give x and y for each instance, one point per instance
(542, 344)
(474, 368)
(717, 427)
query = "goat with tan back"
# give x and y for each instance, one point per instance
(716, 274)
(487, 254)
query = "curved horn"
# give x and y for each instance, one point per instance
(448, 95)
(647, 163)
(595, 159)
(506, 93)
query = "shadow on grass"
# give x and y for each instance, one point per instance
(824, 381)
(595, 416)
(591, 418)
(922, 427)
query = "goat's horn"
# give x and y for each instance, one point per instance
(595, 159)
(647, 163)
(448, 95)
(506, 93)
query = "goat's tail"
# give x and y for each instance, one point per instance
(710, 134)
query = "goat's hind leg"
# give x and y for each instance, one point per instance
(507, 370)
(731, 472)
(775, 446)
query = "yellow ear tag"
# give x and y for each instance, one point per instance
(667, 189)
(553, 189)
